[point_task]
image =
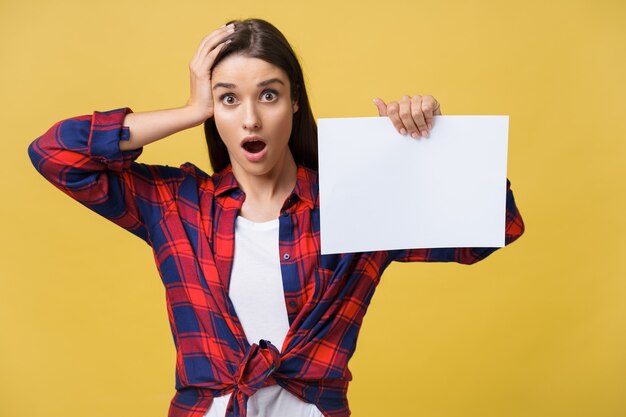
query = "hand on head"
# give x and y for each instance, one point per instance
(201, 96)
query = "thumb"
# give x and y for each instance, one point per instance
(382, 107)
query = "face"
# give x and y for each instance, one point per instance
(253, 113)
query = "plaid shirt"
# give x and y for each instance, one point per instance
(188, 218)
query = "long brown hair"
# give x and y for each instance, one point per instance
(257, 38)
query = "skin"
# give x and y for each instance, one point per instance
(232, 93)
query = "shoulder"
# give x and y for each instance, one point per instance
(200, 177)
(192, 170)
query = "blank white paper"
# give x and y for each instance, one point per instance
(380, 190)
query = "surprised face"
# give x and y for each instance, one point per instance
(253, 112)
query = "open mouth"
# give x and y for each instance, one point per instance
(254, 146)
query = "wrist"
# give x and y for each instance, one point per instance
(196, 114)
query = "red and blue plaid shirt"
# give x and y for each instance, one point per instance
(188, 218)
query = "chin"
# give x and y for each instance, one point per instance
(256, 168)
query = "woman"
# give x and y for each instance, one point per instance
(266, 329)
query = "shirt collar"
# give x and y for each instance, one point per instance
(306, 184)
(224, 181)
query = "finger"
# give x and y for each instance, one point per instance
(220, 33)
(392, 112)
(406, 114)
(381, 106)
(437, 111)
(428, 108)
(418, 116)
(200, 68)
(215, 39)
(211, 41)
(209, 59)
(210, 38)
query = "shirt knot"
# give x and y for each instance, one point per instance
(259, 362)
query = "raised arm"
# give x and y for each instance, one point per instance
(91, 158)
(82, 157)
(151, 126)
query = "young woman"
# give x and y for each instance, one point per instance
(263, 324)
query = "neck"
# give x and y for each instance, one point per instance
(276, 184)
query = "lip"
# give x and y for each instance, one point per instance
(251, 138)
(254, 157)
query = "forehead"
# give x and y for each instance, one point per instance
(243, 70)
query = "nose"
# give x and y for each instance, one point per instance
(251, 120)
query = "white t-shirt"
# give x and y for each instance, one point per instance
(256, 291)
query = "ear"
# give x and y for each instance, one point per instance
(295, 106)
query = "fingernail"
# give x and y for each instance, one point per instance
(403, 131)
(430, 126)
(231, 26)
(414, 135)
(426, 133)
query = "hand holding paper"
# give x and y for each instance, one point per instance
(410, 115)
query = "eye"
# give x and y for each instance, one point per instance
(269, 95)
(228, 99)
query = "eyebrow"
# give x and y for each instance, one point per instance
(261, 84)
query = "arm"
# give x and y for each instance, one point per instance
(91, 158)
(514, 228)
(148, 127)
(414, 116)
(82, 157)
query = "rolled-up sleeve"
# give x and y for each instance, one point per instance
(81, 156)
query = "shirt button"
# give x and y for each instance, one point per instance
(292, 304)
(286, 256)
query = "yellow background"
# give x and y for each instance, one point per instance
(538, 329)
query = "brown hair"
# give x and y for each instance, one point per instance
(256, 38)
